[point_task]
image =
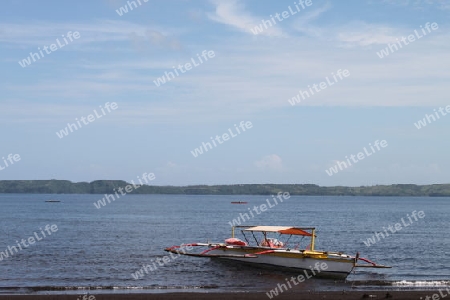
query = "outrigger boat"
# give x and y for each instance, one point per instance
(270, 251)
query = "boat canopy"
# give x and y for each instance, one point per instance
(281, 229)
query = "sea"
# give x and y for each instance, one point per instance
(97, 250)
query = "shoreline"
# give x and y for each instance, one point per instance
(343, 295)
(101, 187)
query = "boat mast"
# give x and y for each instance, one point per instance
(313, 239)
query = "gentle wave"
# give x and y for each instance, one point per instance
(365, 283)
(422, 283)
(74, 288)
(402, 283)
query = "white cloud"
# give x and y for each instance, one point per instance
(363, 34)
(43, 33)
(312, 15)
(352, 34)
(232, 13)
(248, 77)
(270, 162)
(171, 165)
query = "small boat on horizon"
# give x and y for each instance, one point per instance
(52, 201)
(263, 250)
(239, 202)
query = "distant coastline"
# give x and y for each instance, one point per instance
(107, 186)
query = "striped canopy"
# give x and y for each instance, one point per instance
(281, 229)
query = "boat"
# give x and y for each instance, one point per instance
(238, 202)
(52, 201)
(283, 251)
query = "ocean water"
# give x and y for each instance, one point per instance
(100, 249)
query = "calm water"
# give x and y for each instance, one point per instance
(100, 248)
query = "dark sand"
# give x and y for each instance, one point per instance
(395, 295)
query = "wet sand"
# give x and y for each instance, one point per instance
(395, 295)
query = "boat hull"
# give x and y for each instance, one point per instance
(269, 251)
(320, 265)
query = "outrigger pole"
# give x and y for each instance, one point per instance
(370, 264)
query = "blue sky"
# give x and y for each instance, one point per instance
(251, 77)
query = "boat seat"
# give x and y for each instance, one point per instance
(235, 241)
(272, 243)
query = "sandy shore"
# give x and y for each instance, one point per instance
(394, 295)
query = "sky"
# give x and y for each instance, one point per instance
(243, 63)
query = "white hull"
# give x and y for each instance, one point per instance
(323, 267)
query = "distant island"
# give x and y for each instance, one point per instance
(108, 186)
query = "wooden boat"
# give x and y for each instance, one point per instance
(258, 248)
(238, 202)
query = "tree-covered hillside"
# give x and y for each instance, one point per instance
(108, 186)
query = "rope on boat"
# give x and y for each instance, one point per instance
(186, 245)
(372, 264)
(367, 261)
(210, 249)
(264, 252)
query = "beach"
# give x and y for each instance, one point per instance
(397, 295)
